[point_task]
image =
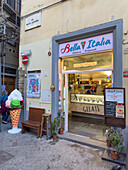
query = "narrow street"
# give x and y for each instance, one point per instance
(25, 151)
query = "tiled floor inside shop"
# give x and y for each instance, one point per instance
(89, 127)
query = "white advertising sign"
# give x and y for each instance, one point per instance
(98, 43)
(46, 95)
(115, 95)
(33, 21)
(27, 52)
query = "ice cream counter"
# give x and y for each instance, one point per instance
(83, 103)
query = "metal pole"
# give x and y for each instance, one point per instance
(0, 69)
(127, 157)
(1, 44)
(3, 67)
(66, 103)
(25, 82)
(16, 12)
(4, 44)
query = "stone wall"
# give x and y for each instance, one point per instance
(21, 80)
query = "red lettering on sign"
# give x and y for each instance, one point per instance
(66, 49)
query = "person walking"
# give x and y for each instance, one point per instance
(4, 110)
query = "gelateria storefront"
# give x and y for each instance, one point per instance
(85, 69)
(84, 62)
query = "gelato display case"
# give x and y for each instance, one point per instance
(83, 103)
(89, 99)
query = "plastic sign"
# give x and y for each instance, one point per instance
(33, 21)
(98, 43)
(87, 64)
(25, 60)
(27, 52)
(114, 107)
(115, 95)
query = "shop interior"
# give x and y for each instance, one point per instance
(86, 82)
(86, 90)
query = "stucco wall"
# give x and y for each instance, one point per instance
(39, 60)
(62, 18)
(72, 15)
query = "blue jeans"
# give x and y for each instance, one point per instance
(5, 116)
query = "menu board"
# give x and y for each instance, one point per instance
(111, 108)
(114, 107)
(120, 111)
(114, 95)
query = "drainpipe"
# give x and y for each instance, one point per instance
(25, 91)
(0, 69)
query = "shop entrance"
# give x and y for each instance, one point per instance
(90, 50)
(83, 102)
(82, 80)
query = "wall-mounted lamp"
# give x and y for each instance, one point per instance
(52, 87)
(49, 53)
(126, 32)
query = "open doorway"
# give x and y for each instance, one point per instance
(83, 102)
(82, 79)
(86, 103)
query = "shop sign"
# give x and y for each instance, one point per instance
(87, 64)
(91, 108)
(125, 74)
(114, 107)
(98, 43)
(114, 95)
(87, 108)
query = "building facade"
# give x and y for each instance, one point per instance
(76, 48)
(9, 43)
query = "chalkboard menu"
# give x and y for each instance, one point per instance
(111, 108)
(114, 107)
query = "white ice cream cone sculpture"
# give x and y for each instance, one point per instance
(15, 114)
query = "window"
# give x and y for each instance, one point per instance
(11, 3)
(99, 61)
(18, 6)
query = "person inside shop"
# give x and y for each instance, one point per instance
(92, 89)
(103, 87)
(89, 91)
(95, 89)
(4, 110)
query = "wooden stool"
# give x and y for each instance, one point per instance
(47, 116)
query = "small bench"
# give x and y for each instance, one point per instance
(34, 121)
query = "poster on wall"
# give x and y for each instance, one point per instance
(33, 87)
(114, 107)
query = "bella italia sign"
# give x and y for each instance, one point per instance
(98, 43)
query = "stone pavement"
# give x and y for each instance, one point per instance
(26, 152)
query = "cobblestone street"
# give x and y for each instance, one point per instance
(24, 152)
